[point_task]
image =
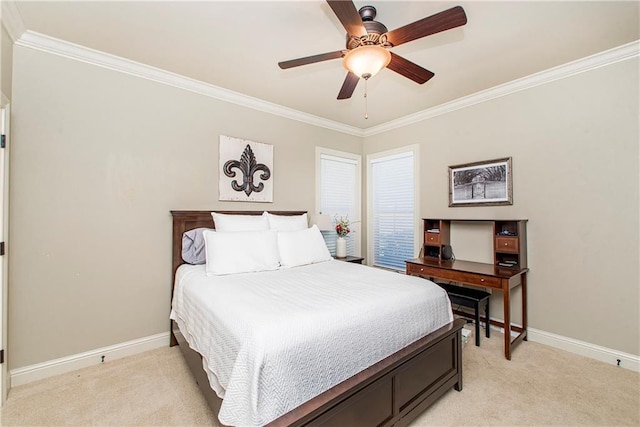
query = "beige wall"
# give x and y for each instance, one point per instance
(6, 62)
(99, 158)
(574, 144)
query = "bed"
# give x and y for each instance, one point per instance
(391, 389)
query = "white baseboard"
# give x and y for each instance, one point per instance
(50, 368)
(603, 354)
(607, 355)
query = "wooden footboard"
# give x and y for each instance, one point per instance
(392, 392)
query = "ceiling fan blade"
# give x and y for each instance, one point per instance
(348, 86)
(310, 59)
(451, 18)
(349, 17)
(409, 69)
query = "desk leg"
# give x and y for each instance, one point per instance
(506, 291)
(523, 279)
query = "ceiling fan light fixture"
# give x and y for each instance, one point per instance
(366, 61)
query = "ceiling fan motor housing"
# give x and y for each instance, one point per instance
(375, 30)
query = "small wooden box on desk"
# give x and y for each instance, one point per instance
(508, 270)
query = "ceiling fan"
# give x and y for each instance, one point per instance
(368, 43)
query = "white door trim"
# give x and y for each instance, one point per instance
(4, 234)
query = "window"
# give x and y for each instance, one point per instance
(338, 193)
(392, 187)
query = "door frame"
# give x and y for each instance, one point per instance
(4, 234)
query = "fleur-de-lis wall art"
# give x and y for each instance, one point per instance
(246, 170)
(248, 166)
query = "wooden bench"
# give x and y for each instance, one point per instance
(471, 298)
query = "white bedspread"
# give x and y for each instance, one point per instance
(270, 341)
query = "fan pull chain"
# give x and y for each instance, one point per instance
(366, 105)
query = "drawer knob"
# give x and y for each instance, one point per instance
(482, 280)
(506, 244)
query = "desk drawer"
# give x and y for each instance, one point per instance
(507, 244)
(416, 270)
(454, 276)
(476, 279)
(432, 238)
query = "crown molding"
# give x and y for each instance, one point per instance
(37, 41)
(608, 57)
(70, 50)
(11, 20)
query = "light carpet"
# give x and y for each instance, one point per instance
(541, 385)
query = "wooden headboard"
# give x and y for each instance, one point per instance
(188, 220)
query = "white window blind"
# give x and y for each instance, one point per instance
(339, 195)
(393, 199)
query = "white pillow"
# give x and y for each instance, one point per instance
(227, 222)
(288, 222)
(241, 252)
(302, 247)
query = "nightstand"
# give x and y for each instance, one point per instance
(353, 259)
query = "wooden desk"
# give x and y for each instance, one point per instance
(485, 276)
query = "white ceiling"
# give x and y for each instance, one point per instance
(237, 45)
